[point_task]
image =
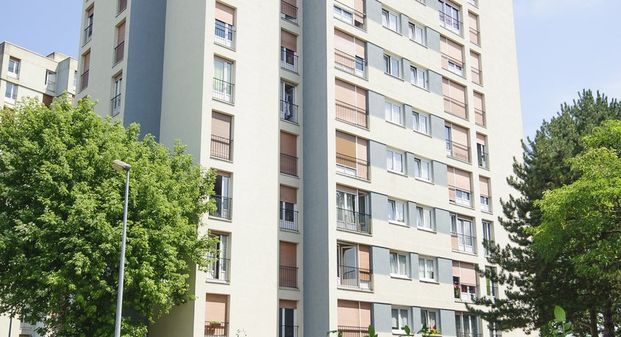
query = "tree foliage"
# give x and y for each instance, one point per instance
(61, 207)
(537, 284)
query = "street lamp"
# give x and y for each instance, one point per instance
(121, 166)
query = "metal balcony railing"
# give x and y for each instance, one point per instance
(348, 113)
(352, 166)
(119, 52)
(353, 331)
(288, 59)
(219, 269)
(354, 65)
(115, 103)
(88, 33)
(224, 206)
(221, 147)
(289, 112)
(458, 151)
(84, 80)
(288, 11)
(223, 90)
(216, 329)
(464, 243)
(224, 34)
(288, 331)
(289, 219)
(449, 22)
(288, 277)
(288, 164)
(354, 277)
(353, 221)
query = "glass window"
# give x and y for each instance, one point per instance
(343, 15)
(416, 33)
(429, 318)
(400, 318)
(422, 169)
(424, 217)
(391, 20)
(14, 66)
(394, 161)
(11, 92)
(392, 65)
(418, 77)
(396, 211)
(399, 264)
(420, 122)
(393, 113)
(427, 269)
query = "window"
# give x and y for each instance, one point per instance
(396, 211)
(488, 234)
(222, 83)
(224, 25)
(116, 95)
(455, 68)
(392, 65)
(11, 92)
(416, 33)
(418, 77)
(352, 210)
(462, 197)
(427, 269)
(422, 169)
(394, 161)
(449, 16)
(50, 80)
(222, 195)
(420, 122)
(343, 15)
(119, 50)
(485, 203)
(400, 318)
(490, 285)
(464, 231)
(218, 268)
(86, 61)
(393, 112)
(287, 318)
(88, 31)
(399, 264)
(424, 217)
(429, 318)
(466, 325)
(14, 65)
(391, 20)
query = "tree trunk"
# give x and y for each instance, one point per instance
(593, 322)
(609, 324)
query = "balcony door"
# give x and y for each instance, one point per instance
(219, 268)
(222, 191)
(223, 73)
(465, 235)
(347, 260)
(288, 98)
(287, 320)
(466, 325)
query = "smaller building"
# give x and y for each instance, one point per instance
(24, 73)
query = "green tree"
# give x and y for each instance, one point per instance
(535, 284)
(61, 208)
(581, 221)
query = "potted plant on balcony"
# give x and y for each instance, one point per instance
(212, 327)
(430, 331)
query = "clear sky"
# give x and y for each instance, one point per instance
(563, 45)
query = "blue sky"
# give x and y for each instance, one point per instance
(563, 45)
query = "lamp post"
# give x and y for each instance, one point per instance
(121, 166)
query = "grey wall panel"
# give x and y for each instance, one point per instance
(438, 129)
(375, 55)
(407, 110)
(447, 323)
(433, 39)
(411, 214)
(445, 271)
(440, 174)
(417, 323)
(382, 318)
(381, 260)
(406, 70)
(376, 105)
(414, 266)
(410, 161)
(377, 154)
(378, 207)
(443, 221)
(435, 83)
(374, 11)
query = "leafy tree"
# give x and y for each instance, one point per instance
(61, 208)
(582, 221)
(535, 284)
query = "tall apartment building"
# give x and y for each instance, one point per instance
(362, 148)
(24, 73)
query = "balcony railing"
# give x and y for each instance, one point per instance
(449, 22)
(289, 219)
(288, 11)
(224, 206)
(88, 33)
(288, 277)
(115, 102)
(219, 270)
(84, 80)
(224, 34)
(353, 221)
(483, 160)
(458, 151)
(288, 331)
(221, 147)
(288, 59)
(350, 64)
(348, 113)
(460, 197)
(288, 164)
(216, 329)
(223, 90)
(476, 75)
(352, 166)
(474, 36)
(455, 107)
(354, 277)
(289, 112)
(122, 6)
(353, 331)
(479, 117)
(119, 52)
(464, 243)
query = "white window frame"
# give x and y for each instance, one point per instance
(466, 240)
(417, 33)
(222, 254)
(421, 122)
(393, 112)
(485, 206)
(343, 15)
(15, 64)
(399, 264)
(229, 33)
(449, 12)
(419, 169)
(282, 313)
(455, 68)
(227, 78)
(425, 218)
(10, 92)
(395, 161)
(391, 20)
(426, 315)
(392, 65)
(397, 210)
(400, 316)
(426, 267)
(463, 198)
(419, 77)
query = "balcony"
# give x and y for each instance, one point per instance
(348, 113)
(353, 331)
(84, 80)
(289, 112)
(224, 207)
(350, 64)
(354, 277)
(288, 164)
(224, 34)
(288, 59)
(219, 270)
(458, 151)
(289, 220)
(115, 103)
(288, 11)
(223, 90)
(450, 23)
(221, 148)
(288, 331)
(460, 197)
(216, 329)
(352, 166)
(463, 243)
(288, 277)
(119, 52)
(353, 221)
